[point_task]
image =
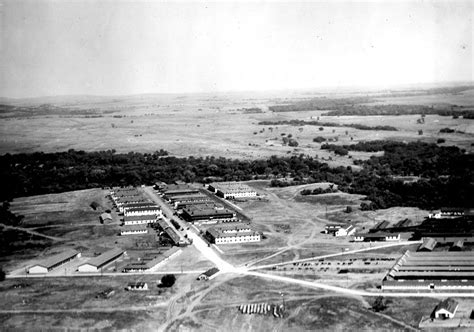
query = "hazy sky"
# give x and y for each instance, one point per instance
(111, 48)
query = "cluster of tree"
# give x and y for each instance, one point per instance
(386, 192)
(319, 191)
(454, 111)
(337, 149)
(319, 139)
(447, 173)
(380, 304)
(289, 141)
(322, 103)
(358, 105)
(447, 130)
(250, 110)
(7, 217)
(167, 280)
(327, 124)
(41, 173)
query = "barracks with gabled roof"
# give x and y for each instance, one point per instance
(96, 263)
(54, 262)
(431, 270)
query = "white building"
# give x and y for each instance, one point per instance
(345, 231)
(53, 262)
(96, 263)
(381, 236)
(220, 236)
(133, 230)
(232, 190)
(446, 309)
(139, 220)
(140, 211)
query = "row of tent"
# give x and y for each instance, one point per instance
(262, 309)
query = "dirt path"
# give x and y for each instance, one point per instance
(81, 310)
(26, 230)
(333, 255)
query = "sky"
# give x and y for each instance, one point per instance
(113, 48)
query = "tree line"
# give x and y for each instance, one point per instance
(446, 173)
(326, 124)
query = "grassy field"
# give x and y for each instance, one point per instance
(305, 309)
(71, 303)
(210, 125)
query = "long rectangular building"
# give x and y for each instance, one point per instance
(182, 205)
(140, 219)
(232, 233)
(139, 211)
(170, 232)
(96, 263)
(134, 230)
(54, 262)
(178, 190)
(210, 213)
(152, 261)
(431, 270)
(232, 190)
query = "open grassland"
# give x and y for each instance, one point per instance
(305, 309)
(60, 303)
(197, 125)
(68, 208)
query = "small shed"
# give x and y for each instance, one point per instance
(428, 244)
(446, 309)
(457, 246)
(105, 217)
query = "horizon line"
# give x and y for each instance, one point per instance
(333, 88)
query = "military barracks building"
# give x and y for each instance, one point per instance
(233, 233)
(207, 214)
(232, 190)
(54, 262)
(431, 270)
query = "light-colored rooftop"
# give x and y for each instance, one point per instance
(105, 257)
(56, 259)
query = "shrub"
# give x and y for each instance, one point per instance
(319, 139)
(168, 280)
